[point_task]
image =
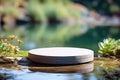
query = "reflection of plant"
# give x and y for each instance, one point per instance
(7, 48)
(109, 47)
(47, 36)
(111, 75)
(108, 68)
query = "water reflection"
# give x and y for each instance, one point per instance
(20, 75)
(34, 74)
(11, 66)
(47, 36)
(81, 68)
(44, 35)
(103, 69)
(61, 35)
(36, 36)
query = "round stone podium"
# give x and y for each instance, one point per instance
(61, 55)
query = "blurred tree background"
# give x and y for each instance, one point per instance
(104, 7)
(59, 11)
(54, 10)
(37, 10)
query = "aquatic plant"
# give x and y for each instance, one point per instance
(109, 47)
(8, 46)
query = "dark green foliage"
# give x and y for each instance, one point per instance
(106, 7)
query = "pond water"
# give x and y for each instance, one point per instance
(99, 69)
(84, 36)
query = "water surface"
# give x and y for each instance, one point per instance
(83, 36)
(99, 69)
